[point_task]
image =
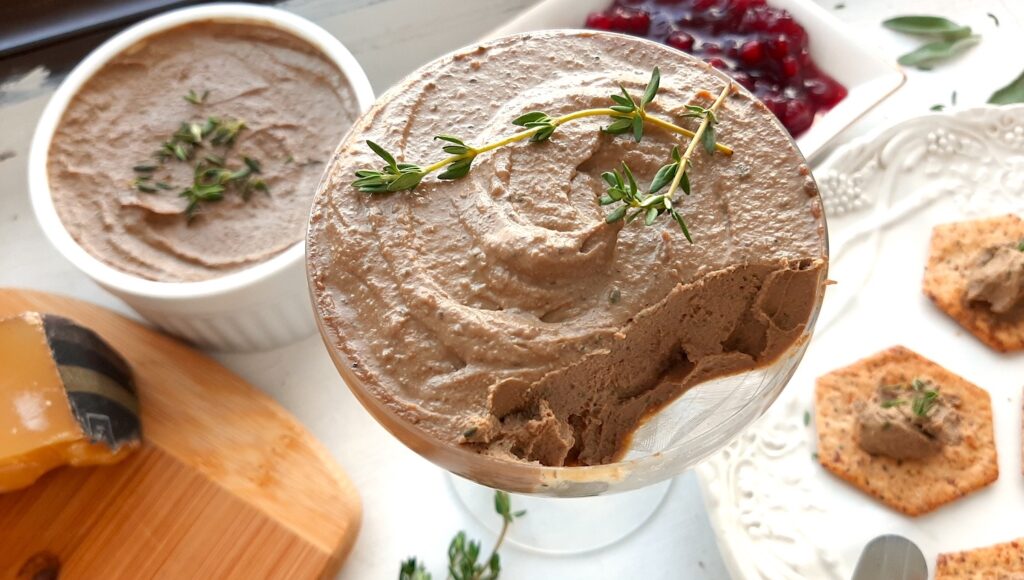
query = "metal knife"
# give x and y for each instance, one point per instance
(891, 557)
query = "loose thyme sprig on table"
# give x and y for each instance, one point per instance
(628, 115)
(463, 554)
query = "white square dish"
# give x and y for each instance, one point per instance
(870, 77)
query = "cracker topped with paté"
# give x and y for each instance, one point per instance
(975, 274)
(1001, 561)
(905, 430)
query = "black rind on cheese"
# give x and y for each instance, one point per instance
(102, 418)
(105, 420)
(76, 345)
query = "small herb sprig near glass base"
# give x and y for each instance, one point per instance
(628, 115)
(463, 554)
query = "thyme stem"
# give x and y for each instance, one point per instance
(604, 112)
(704, 123)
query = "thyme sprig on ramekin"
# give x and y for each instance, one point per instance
(628, 115)
(212, 174)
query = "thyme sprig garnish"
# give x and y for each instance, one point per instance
(653, 204)
(212, 175)
(196, 98)
(627, 114)
(464, 554)
(923, 398)
(212, 179)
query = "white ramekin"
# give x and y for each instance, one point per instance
(262, 307)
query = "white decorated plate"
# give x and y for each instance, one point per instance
(777, 513)
(869, 76)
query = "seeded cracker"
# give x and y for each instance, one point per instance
(913, 487)
(954, 248)
(992, 562)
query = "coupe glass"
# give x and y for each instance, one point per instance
(697, 424)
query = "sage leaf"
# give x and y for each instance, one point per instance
(928, 26)
(1011, 93)
(934, 52)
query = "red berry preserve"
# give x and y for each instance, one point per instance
(763, 48)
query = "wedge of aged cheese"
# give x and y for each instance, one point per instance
(66, 397)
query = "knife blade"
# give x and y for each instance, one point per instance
(891, 557)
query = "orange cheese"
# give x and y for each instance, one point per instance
(66, 397)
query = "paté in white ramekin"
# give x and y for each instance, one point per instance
(258, 308)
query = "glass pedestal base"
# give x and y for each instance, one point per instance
(564, 525)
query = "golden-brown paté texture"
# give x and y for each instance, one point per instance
(296, 105)
(954, 250)
(500, 312)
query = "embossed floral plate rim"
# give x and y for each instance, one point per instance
(775, 511)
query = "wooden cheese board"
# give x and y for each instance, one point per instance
(227, 484)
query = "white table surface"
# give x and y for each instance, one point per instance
(409, 508)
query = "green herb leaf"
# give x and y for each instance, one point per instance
(629, 176)
(622, 101)
(144, 187)
(413, 570)
(939, 107)
(457, 169)
(629, 99)
(708, 139)
(531, 117)
(1020, 246)
(652, 87)
(928, 26)
(1011, 93)
(618, 127)
(252, 164)
(638, 128)
(935, 52)
(682, 225)
(663, 177)
(652, 214)
(617, 214)
(387, 157)
(195, 98)
(503, 505)
(807, 418)
(406, 180)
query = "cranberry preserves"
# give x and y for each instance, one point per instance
(763, 48)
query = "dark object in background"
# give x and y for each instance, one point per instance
(56, 34)
(28, 25)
